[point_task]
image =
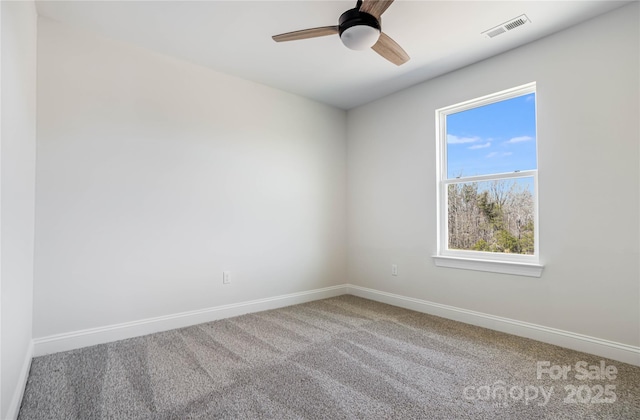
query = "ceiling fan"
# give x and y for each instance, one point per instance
(359, 28)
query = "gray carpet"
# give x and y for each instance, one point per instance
(339, 358)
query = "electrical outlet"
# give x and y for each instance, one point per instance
(226, 277)
(394, 269)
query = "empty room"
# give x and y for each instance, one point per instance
(319, 209)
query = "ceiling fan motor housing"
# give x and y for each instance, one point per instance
(355, 17)
(358, 27)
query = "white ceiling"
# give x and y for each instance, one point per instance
(234, 37)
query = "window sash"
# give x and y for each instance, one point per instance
(443, 181)
(491, 177)
(443, 234)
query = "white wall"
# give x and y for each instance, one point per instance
(155, 175)
(588, 135)
(17, 174)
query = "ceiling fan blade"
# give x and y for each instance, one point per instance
(375, 7)
(306, 33)
(390, 50)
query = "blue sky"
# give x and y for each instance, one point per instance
(495, 138)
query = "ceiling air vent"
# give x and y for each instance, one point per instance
(507, 26)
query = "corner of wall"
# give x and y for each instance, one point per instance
(18, 40)
(16, 400)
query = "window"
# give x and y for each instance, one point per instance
(488, 183)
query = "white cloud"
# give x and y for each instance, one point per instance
(480, 146)
(492, 154)
(518, 139)
(451, 139)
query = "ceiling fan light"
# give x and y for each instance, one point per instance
(360, 37)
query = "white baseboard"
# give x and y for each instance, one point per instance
(16, 400)
(78, 339)
(100, 335)
(597, 346)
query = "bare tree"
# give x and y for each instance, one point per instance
(494, 216)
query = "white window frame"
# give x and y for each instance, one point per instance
(516, 264)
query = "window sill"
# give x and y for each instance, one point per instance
(504, 267)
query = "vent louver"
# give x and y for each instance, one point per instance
(496, 32)
(507, 26)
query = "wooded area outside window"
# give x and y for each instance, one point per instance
(488, 183)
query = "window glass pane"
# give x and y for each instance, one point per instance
(491, 139)
(492, 216)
